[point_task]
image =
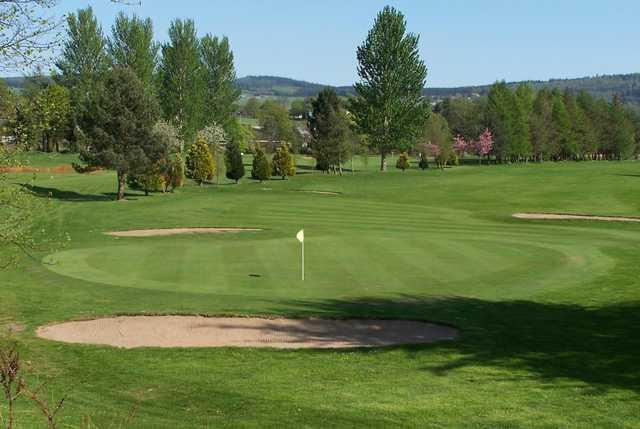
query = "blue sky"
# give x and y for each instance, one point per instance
(462, 42)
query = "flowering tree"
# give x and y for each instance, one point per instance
(432, 149)
(460, 145)
(482, 147)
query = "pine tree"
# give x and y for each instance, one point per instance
(200, 165)
(233, 162)
(389, 106)
(403, 162)
(501, 108)
(120, 136)
(562, 141)
(523, 98)
(622, 132)
(261, 167)
(283, 162)
(540, 129)
(329, 128)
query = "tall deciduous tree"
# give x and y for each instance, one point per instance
(131, 45)
(622, 131)
(389, 106)
(500, 115)
(436, 139)
(219, 76)
(120, 137)
(275, 122)
(180, 78)
(541, 133)
(329, 128)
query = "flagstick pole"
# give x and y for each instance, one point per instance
(302, 260)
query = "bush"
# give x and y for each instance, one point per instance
(200, 165)
(233, 162)
(174, 173)
(403, 162)
(261, 167)
(283, 163)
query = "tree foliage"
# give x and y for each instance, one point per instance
(403, 162)
(219, 77)
(389, 106)
(120, 137)
(200, 165)
(233, 162)
(329, 127)
(261, 167)
(283, 163)
(275, 122)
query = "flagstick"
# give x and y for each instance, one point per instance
(302, 260)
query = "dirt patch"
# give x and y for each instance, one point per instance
(565, 216)
(199, 331)
(176, 231)
(59, 169)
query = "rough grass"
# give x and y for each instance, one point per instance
(549, 311)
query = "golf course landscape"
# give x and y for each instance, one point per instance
(547, 311)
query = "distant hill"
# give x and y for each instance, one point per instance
(626, 85)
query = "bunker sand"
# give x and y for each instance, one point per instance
(176, 231)
(559, 216)
(199, 331)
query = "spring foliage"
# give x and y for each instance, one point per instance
(403, 161)
(200, 165)
(233, 162)
(261, 167)
(283, 163)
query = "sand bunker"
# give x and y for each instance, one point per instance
(176, 231)
(559, 216)
(199, 331)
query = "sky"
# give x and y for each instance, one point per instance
(462, 42)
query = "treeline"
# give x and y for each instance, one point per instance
(545, 125)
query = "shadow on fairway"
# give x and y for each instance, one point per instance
(73, 196)
(599, 346)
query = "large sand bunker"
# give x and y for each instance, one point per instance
(199, 331)
(560, 216)
(176, 231)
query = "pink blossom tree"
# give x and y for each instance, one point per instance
(460, 145)
(482, 147)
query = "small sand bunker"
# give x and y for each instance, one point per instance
(198, 331)
(560, 216)
(176, 231)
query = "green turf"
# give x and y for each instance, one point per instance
(549, 311)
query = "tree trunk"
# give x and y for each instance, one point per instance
(121, 183)
(383, 160)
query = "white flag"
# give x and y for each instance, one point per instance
(300, 236)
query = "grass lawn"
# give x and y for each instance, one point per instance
(549, 311)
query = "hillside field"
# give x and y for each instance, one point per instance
(548, 311)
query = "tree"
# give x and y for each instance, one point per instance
(523, 99)
(464, 116)
(200, 165)
(329, 127)
(563, 141)
(51, 112)
(120, 137)
(501, 108)
(300, 109)
(26, 31)
(251, 107)
(239, 133)
(436, 139)
(180, 77)
(131, 45)
(219, 74)
(261, 167)
(233, 162)
(484, 145)
(403, 162)
(84, 58)
(7, 109)
(283, 163)
(460, 146)
(539, 123)
(622, 131)
(389, 106)
(275, 122)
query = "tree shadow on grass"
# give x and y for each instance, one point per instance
(57, 194)
(599, 346)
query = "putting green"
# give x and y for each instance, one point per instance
(271, 267)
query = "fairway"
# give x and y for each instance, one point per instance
(548, 311)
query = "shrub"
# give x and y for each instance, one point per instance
(283, 163)
(261, 167)
(200, 165)
(403, 162)
(233, 162)
(174, 173)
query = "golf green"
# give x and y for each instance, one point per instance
(548, 310)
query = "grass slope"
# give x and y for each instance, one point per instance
(549, 311)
